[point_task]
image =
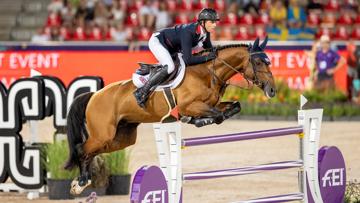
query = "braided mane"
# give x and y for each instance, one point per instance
(219, 48)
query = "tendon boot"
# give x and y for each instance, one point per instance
(142, 93)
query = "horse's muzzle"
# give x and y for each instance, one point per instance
(269, 90)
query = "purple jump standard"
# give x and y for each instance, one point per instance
(241, 136)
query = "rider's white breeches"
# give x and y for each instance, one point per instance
(160, 53)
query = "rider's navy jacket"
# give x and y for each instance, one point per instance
(182, 38)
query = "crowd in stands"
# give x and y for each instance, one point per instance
(135, 20)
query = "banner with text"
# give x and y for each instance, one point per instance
(291, 65)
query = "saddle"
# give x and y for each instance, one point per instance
(147, 68)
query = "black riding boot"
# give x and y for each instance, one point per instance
(142, 93)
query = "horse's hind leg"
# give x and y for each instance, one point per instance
(126, 134)
(78, 185)
(92, 147)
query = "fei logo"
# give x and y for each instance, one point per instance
(156, 196)
(334, 177)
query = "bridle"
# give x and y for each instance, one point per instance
(254, 80)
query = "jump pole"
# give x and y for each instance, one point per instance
(330, 189)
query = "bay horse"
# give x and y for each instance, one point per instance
(107, 120)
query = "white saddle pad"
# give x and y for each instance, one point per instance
(140, 80)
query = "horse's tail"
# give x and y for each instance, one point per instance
(76, 128)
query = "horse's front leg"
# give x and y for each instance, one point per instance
(201, 114)
(229, 108)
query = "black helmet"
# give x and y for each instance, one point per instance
(208, 14)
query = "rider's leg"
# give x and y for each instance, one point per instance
(164, 58)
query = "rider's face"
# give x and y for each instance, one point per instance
(210, 25)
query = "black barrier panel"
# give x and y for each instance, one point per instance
(23, 101)
(58, 99)
(33, 99)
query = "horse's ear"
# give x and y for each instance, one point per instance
(250, 47)
(256, 43)
(263, 44)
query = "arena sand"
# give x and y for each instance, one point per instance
(345, 135)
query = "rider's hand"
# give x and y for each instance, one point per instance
(211, 56)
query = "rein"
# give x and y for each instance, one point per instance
(255, 81)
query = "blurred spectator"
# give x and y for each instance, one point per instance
(108, 3)
(332, 6)
(65, 31)
(352, 72)
(186, 5)
(162, 17)
(356, 32)
(79, 31)
(147, 14)
(249, 5)
(327, 62)
(345, 17)
(118, 11)
(68, 13)
(201, 4)
(356, 82)
(171, 5)
(55, 34)
(226, 34)
(278, 14)
(282, 19)
(341, 33)
(314, 5)
(120, 34)
(94, 33)
(220, 5)
(101, 14)
(329, 19)
(182, 18)
(85, 11)
(246, 20)
(243, 34)
(296, 15)
(263, 18)
(54, 19)
(260, 31)
(55, 6)
(143, 34)
(132, 19)
(313, 20)
(40, 36)
(324, 31)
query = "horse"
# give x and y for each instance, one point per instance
(107, 120)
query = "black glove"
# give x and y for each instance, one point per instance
(214, 49)
(211, 56)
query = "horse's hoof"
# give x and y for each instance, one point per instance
(235, 108)
(200, 122)
(76, 189)
(185, 119)
(236, 104)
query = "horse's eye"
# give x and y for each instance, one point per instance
(258, 63)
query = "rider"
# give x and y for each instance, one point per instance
(181, 38)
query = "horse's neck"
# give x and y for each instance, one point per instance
(223, 71)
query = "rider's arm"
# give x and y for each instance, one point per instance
(189, 59)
